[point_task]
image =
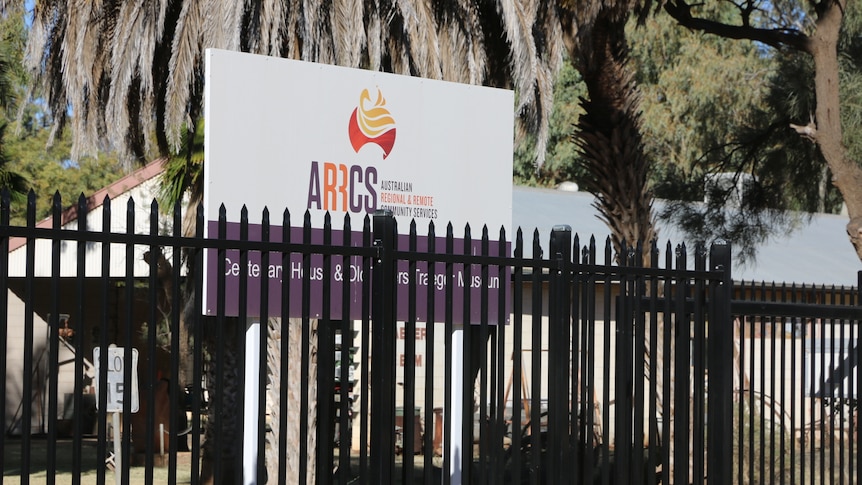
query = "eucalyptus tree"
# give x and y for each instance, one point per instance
(823, 35)
(703, 97)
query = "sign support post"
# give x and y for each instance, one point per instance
(118, 455)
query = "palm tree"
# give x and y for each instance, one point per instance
(132, 71)
(609, 130)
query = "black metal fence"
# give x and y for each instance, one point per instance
(796, 355)
(373, 356)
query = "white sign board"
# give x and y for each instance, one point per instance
(285, 134)
(118, 390)
(299, 135)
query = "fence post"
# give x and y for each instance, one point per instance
(383, 328)
(559, 316)
(720, 367)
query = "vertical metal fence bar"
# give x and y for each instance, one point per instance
(483, 367)
(152, 325)
(53, 339)
(580, 442)
(103, 342)
(739, 420)
(577, 444)
(217, 402)
(325, 366)
(430, 348)
(578, 447)
(821, 386)
(27, 376)
(305, 347)
(781, 392)
(794, 370)
(467, 382)
(772, 401)
(196, 256)
(284, 367)
(78, 337)
(4, 297)
(588, 279)
(383, 350)
(699, 361)
(807, 433)
(606, 371)
(177, 406)
(263, 347)
(623, 368)
(845, 371)
(832, 403)
(791, 445)
(365, 356)
(240, 328)
(682, 380)
(346, 356)
(409, 361)
(639, 374)
(652, 393)
(558, 351)
(857, 426)
(126, 434)
(765, 434)
(514, 469)
(720, 367)
(536, 445)
(498, 463)
(668, 425)
(449, 433)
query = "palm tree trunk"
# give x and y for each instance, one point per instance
(609, 134)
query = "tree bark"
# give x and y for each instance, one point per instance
(609, 135)
(846, 173)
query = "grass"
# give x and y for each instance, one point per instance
(90, 464)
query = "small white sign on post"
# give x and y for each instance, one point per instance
(117, 389)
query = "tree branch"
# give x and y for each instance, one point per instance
(777, 38)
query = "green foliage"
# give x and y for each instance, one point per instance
(51, 170)
(26, 160)
(698, 91)
(850, 46)
(561, 162)
(184, 170)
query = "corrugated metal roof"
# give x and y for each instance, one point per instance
(817, 253)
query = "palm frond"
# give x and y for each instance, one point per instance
(182, 69)
(348, 32)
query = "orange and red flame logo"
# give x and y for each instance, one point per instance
(372, 123)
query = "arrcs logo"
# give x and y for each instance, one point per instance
(371, 123)
(353, 188)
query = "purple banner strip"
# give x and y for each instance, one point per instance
(349, 274)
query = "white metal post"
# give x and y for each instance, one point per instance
(250, 403)
(454, 409)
